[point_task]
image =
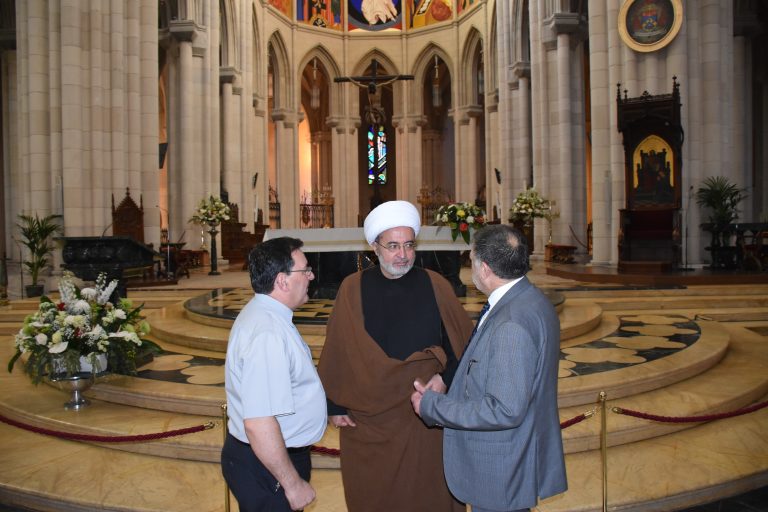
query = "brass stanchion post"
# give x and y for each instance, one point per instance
(604, 449)
(224, 430)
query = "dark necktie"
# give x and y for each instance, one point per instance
(483, 311)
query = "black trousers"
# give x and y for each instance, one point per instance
(254, 487)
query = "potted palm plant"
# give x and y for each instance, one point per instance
(721, 198)
(36, 235)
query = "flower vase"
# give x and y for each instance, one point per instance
(526, 228)
(214, 258)
(77, 383)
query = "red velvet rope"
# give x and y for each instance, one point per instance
(333, 452)
(690, 419)
(576, 419)
(322, 450)
(107, 439)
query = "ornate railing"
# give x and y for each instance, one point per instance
(316, 215)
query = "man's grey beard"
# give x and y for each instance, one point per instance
(394, 271)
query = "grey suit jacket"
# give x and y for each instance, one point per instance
(502, 447)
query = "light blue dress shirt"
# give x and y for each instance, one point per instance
(269, 372)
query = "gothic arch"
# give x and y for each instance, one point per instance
(330, 68)
(521, 41)
(390, 68)
(421, 71)
(280, 62)
(468, 87)
(229, 56)
(382, 59)
(258, 71)
(437, 134)
(492, 75)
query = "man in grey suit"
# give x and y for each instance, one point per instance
(502, 448)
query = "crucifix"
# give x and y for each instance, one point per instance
(374, 112)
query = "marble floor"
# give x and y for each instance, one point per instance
(672, 350)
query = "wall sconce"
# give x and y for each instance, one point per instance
(437, 101)
(314, 99)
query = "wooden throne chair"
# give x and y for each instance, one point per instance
(128, 221)
(236, 242)
(649, 225)
(128, 217)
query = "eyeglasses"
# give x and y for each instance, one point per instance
(306, 271)
(395, 247)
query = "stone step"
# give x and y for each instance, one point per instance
(175, 324)
(686, 303)
(671, 472)
(650, 466)
(573, 390)
(683, 469)
(738, 380)
(131, 406)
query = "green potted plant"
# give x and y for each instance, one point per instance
(36, 235)
(722, 198)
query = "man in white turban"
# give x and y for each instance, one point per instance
(391, 325)
(390, 215)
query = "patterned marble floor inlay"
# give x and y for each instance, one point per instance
(184, 369)
(226, 303)
(638, 339)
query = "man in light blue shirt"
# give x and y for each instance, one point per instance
(275, 401)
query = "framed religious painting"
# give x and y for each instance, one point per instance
(652, 179)
(650, 25)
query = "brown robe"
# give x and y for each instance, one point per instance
(390, 462)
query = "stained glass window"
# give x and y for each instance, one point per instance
(377, 155)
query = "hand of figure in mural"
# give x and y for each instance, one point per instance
(378, 10)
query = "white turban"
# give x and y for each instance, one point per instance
(392, 214)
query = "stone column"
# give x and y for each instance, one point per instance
(605, 151)
(78, 215)
(344, 175)
(493, 190)
(229, 140)
(182, 192)
(287, 175)
(467, 149)
(431, 148)
(569, 187)
(523, 160)
(410, 160)
(321, 160)
(149, 131)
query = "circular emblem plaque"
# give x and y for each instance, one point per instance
(649, 25)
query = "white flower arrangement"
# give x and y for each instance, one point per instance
(530, 205)
(461, 218)
(211, 211)
(82, 323)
